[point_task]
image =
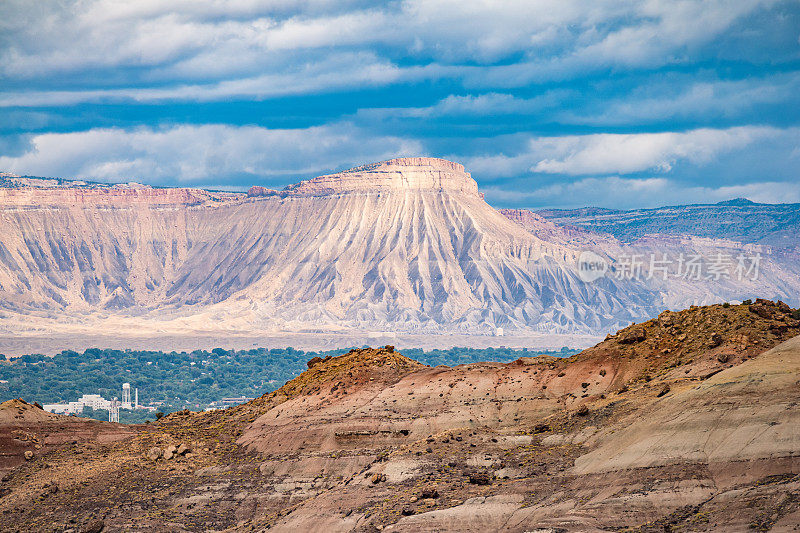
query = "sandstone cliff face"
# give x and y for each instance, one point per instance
(110, 196)
(410, 173)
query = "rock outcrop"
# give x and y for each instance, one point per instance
(409, 173)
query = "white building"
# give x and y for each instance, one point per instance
(227, 402)
(95, 401)
(60, 408)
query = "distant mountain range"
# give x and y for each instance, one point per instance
(741, 220)
(406, 245)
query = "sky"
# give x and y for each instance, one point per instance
(548, 103)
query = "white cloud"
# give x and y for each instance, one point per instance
(626, 153)
(337, 72)
(606, 153)
(488, 104)
(227, 156)
(198, 50)
(682, 97)
(622, 193)
(202, 153)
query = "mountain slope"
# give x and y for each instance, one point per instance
(407, 245)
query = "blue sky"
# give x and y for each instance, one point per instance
(548, 103)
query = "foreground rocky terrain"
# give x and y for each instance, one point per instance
(407, 245)
(686, 422)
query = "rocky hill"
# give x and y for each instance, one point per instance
(406, 245)
(682, 423)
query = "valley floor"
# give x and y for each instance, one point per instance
(49, 342)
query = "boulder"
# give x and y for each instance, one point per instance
(313, 361)
(96, 526)
(761, 310)
(778, 329)
(632, 335)
(28, 455)
(154, 453)
(429, 491)
(169, 452)
(183, 449)
(480, 478)
(715, 340)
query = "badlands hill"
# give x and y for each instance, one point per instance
(687, 422)
(406, 245)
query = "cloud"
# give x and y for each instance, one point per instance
(224, 156)
(606, 153)
(341, 71)
(473, 105)
(543, 94)
(626, 153)
(623, 193)
(686, 98)
(203, 154)
(181, 48)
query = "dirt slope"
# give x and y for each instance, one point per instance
(684, 423)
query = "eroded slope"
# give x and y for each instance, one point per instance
(684, 423)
